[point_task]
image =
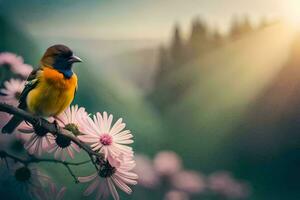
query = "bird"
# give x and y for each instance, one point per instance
(50, 88)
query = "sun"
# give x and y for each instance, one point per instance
(292, 12)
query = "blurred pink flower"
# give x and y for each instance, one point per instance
(146, 172)
(15, 64)
(52, 193)
(35, 141)
(72, 119)
(4, 118)
(167, 163)
(11, 92)
(23, 179)
(188, 181)
(6, 139)
(108, 176)
(107, 138)
(222, 183)
(176, 195)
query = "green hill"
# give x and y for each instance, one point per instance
(222, 85)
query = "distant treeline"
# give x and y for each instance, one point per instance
(180, 51)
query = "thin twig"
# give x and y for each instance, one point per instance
(33, 159)
(71, 172)
(4, 154)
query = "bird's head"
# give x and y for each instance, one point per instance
(61, 58)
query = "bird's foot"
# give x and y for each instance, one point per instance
(38, 122)
(57, 128)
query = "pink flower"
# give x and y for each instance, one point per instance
(63, 146)
(223, 184)
(111, 140)
(4, 118)
(188, 181)
(15, 64)
(7, 140)
(5, 143)
(23, 179)
(11, 92)
(72, 119)
(176, 195)
(146, 172)
(108, 176)
(167, 163)
(36, 141)
(52, 193)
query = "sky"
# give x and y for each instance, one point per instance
(137, 19)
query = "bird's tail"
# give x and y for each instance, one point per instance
(12, 125)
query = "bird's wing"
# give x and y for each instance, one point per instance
(31, 83)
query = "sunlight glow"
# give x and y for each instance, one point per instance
(292, 12)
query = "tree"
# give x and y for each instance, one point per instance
(246, 26)
(198, 41)
(240, 27)
(217, 38)
(235, 30)
(163, 65)
(177, 48)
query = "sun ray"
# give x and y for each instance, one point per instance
(292, 12)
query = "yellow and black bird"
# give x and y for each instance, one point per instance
(50, 89)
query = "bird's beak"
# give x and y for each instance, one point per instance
(74, 59)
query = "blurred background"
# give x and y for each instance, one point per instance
(216, 82)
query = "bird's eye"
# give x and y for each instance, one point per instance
(65, 54)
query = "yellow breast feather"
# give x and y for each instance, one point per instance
(53, 94)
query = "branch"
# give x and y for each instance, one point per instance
(34, 159)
